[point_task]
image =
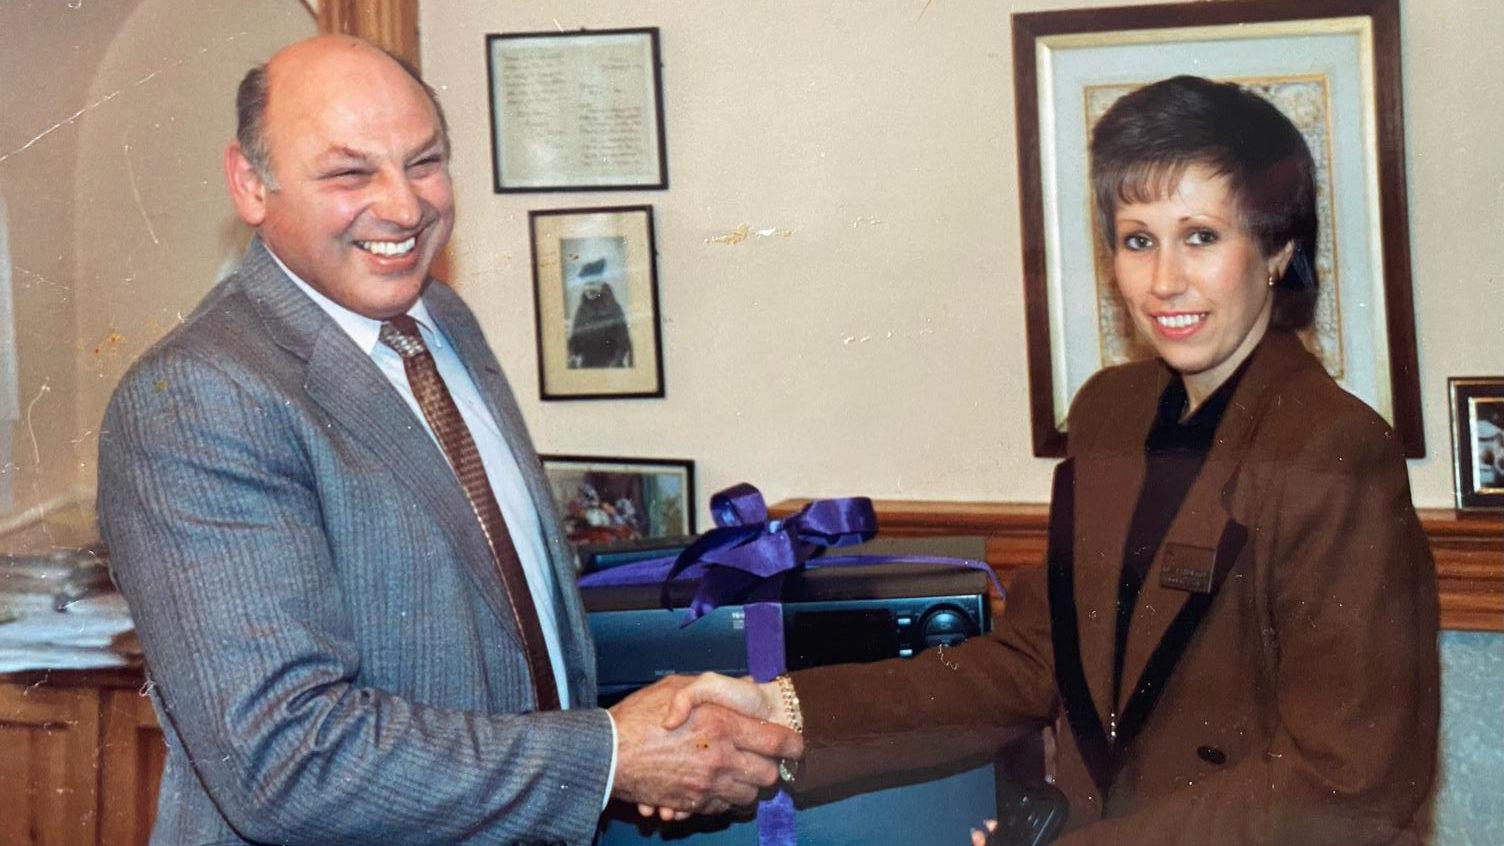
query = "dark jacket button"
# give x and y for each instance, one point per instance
(1211, 755)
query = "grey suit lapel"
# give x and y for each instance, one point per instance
(342, 379)
(459, 326)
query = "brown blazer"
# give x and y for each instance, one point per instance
(1304, 707)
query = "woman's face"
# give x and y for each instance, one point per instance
(1194, 280)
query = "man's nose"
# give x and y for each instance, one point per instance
(396, 202)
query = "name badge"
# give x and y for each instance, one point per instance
(1188, 568)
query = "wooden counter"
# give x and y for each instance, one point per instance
(82, 758)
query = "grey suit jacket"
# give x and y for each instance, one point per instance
(331, 655)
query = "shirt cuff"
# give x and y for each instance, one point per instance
(611, 773)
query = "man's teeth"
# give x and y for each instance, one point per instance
(388, 248)
(1179, 321)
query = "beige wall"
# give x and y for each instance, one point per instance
(879, 347)
(119, 219)
(47, 60)
(155, 226)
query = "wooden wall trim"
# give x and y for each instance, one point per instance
(1469, 549)
(389, 24)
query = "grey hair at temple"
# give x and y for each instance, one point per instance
(250, 114)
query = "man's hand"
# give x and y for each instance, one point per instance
(713, 757)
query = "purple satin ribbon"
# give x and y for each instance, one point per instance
(744, 561)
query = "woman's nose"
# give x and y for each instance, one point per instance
(1169, 275)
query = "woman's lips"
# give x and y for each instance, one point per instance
(1178, 325)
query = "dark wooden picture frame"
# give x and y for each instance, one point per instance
(567, 114)
(1477, 404)
(595, 303)
(625, 500)
(1387, 228)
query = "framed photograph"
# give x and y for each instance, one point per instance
(595, 293)
(576, 111)
(1332, 66)
(1478, 441)
(613, 500)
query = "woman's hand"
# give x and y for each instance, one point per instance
(979, 837)
(761, 701)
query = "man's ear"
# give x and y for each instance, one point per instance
(247, 189)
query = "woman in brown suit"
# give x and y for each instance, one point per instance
(1235, 630)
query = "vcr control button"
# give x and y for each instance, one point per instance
(947, 625)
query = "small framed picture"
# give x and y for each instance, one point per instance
(576, 111)
(595, 293)
(614, 500)
(1478, 441)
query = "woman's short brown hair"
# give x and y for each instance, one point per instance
(1146, 140)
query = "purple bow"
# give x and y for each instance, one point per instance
(747, 557)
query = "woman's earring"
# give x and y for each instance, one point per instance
(1271, 279)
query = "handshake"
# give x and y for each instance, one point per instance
(700, 744)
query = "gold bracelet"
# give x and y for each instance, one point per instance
(794, 716)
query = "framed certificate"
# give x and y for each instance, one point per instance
(576, 111)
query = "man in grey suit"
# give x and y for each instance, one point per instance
(343, 561)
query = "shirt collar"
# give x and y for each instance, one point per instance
(364, 331)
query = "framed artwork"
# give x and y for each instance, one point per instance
(576, 111)
(613, 500)
(1332, 67)
(1478, 441)
(595, 297)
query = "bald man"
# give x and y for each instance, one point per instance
(343, 561)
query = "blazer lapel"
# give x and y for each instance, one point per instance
(1190, 562)
(1108, 471)
(1205, 538)
(1081, 710)
(342, 379)
(469, 341)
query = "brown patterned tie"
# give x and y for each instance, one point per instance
(401, 334)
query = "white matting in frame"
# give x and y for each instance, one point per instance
(1319, 72)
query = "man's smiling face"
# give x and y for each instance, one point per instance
(361, 202)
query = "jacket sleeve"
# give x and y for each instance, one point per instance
(1351, 599)
(217, 541)
(943, 706)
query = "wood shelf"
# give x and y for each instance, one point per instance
(1469, 549)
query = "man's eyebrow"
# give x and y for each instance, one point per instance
(341, 152)
(436, 140)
